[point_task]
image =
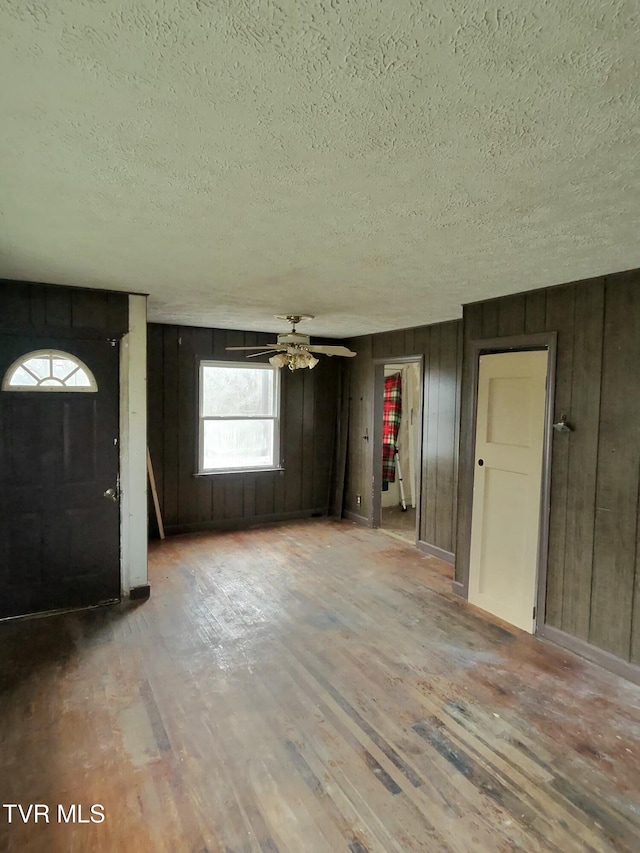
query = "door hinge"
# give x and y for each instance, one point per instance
(534, 612)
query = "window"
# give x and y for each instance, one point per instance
(239, 416)
(49, 370)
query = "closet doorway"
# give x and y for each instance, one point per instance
(397, 451)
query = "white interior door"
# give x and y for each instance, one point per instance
(507, 485)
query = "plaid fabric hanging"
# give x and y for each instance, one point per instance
(392, 411)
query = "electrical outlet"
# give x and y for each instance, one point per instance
(359, 500)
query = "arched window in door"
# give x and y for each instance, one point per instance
(49, 370)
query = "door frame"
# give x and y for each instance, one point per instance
(513, 343)
(378, 404)
(132, 343)
(134, 581)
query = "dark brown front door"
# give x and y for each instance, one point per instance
(59, 535)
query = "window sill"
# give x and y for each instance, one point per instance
(238, 471)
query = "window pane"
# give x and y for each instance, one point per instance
(40, 366)
(62, 367)
(78, 380)
(22, 377)
(230, 391)
(238, 444)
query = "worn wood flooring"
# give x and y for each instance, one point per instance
(312, 687)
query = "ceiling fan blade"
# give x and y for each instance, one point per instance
(264, 352)
(269, 346)
(327, 349)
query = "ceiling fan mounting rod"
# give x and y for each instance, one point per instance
(294, 319)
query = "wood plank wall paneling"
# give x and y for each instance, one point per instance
(616, 514)
(308, 420)
(559, 316)
(441, 347)
(430, 383)
(155, 403)
(53, 310)
(446, 432)
(472, 330)
(359, 449)
(593, 581)
(163, 424)
(328, 385)
(341, 438)
(583, 458)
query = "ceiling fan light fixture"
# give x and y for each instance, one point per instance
(279, 360)
(294, 359)
(302, 358)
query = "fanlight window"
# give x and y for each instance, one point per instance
(49, 370)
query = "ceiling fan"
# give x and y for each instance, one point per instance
(293, 349)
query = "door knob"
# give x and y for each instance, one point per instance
(112, 495)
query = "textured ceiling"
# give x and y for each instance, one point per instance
(376, 164)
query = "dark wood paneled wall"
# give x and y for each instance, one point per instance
(50, 310)
(441, 347)
(593, 582)
(359, 465)
(308, 420)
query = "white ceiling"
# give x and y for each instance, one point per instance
(376, 164)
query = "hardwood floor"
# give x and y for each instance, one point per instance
(310, 687)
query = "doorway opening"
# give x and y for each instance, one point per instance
(398, 447)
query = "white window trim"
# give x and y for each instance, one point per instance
(56, 389)
(201, 470)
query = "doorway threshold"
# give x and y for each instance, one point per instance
(397, 536)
